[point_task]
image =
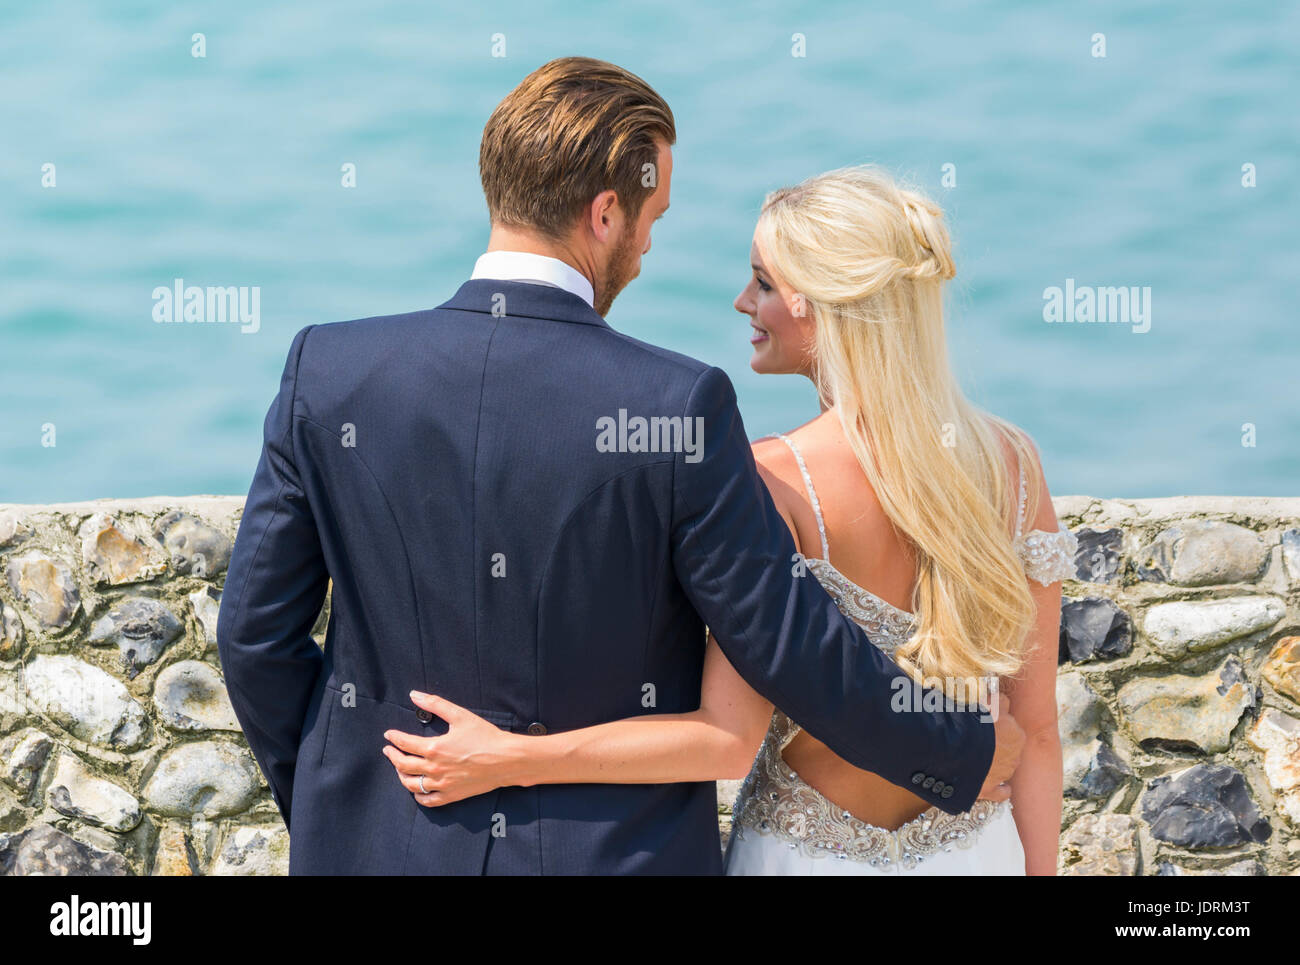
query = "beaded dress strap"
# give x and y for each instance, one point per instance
(812, 493)
(1020, 513)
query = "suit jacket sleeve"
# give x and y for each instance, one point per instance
(734, 556)
(274, 589)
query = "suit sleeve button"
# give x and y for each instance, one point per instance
(947, 791)
(918, 777)
(537, 729)
(938, 787)
(927, 783)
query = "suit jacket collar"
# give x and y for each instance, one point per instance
(523, 299)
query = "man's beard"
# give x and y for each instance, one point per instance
(620, 271)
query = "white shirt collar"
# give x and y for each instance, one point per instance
(529, 267)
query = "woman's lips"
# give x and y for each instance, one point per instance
(758, 336)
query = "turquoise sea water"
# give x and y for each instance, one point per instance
(225, 170)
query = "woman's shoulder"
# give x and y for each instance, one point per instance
(1008, 434)
(779, 469)
(1018, 448)
(765, 447)
(1046, 547)
(776, 464)
(777, 452)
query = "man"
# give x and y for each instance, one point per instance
(445, 469)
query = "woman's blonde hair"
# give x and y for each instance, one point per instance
(867, 257)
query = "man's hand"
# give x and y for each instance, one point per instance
(473, 757)
(1009, 742)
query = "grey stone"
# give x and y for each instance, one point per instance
(11, 633)
(1238, 869)
(114, 556)
(24, 756)
(207, 606)
(320, 628)
(1291, 553)
(1098, 557)
(13, 705)
(12, 529)
(141, 628)
(174, 856)
(45, 850)
(1204, 806)
(1182, 713)
(1282, 669)
(1091, 768)
(79, 793)
(1100, 844)
(728, 791)
(195, 547)
(1277, 736)
(1094, 771)
(190, 695)
(253, 851)
(1094, 627)
(85, 701)
(1202, 552)
(1106, 773)
(1078, 709)
(212, 778)
(47, 587)
(1192, 625)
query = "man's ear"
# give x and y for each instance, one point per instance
(605, 217)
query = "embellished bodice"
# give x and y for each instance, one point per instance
(886, 624)
(773, 798)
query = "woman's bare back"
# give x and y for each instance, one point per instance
(867, 549)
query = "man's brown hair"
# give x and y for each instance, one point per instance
(573, 128)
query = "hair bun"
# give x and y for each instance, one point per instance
(925, 219)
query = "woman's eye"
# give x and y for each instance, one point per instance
(762, 285)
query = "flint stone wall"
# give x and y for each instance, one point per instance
(1178, 691)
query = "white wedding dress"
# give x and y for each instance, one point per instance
(783, 826)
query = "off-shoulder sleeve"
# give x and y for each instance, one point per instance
(1048, 557)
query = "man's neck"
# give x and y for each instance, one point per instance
(504, 238)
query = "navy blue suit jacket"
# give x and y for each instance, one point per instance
(443, 469)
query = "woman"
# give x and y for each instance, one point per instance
(940, 509)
